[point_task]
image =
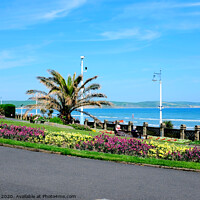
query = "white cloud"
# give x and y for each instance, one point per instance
(161, 5)
(115, 35)
(65, 8)
(183, 5)
(131, 33)
(9, 60)
(22, 13)
(19, 56)
(170, 15)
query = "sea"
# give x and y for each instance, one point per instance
(188, 116)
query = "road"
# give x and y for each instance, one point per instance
(31, 173)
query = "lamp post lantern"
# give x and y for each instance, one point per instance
(160, 80)
(81, 117)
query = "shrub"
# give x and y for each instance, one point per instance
(80, 127)
(56, 120)
(9, 110)
(168, 124)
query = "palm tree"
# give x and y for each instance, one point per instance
(65, 95)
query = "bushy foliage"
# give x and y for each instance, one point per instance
(9, 110)
(56, 120)
(80, 127)
(168, 124)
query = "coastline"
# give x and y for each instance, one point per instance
(121, 107)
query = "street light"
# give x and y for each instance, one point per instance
(155, 76)
(21, 110)
(81, 117)
(36, 102)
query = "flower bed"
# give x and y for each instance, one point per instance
(63, 139)
(161, 150)
(167, 139)
(106, 132)
(19, 132)
(102, 143)
(189, 155)
(115, 145)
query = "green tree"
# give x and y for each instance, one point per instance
(65, 95)
(168, 124)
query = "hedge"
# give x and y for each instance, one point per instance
(9, 110)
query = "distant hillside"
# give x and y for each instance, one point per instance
(144, 104)
(155, 104)
(19, 103)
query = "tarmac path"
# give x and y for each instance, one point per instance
(29, 174)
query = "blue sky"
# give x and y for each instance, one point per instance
(124, 41)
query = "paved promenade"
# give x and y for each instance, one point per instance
(28, 174)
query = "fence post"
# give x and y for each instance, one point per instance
(145, 125)
(197, 129)
(182, 131)
(162, 129)
(130, 124)
(105, 124)
(95, 124)
(86, 122)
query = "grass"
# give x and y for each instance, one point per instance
(47, 127)
(195, 142)
(104, 156)
(92, 154)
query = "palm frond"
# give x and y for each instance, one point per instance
(77, 81)
(46, 81)
(87, 81)
(36, 91)
(90, 96)
(94, 86)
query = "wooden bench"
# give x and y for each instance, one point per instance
(137, 134)
(126, 133)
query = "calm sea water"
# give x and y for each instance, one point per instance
(188, 116)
